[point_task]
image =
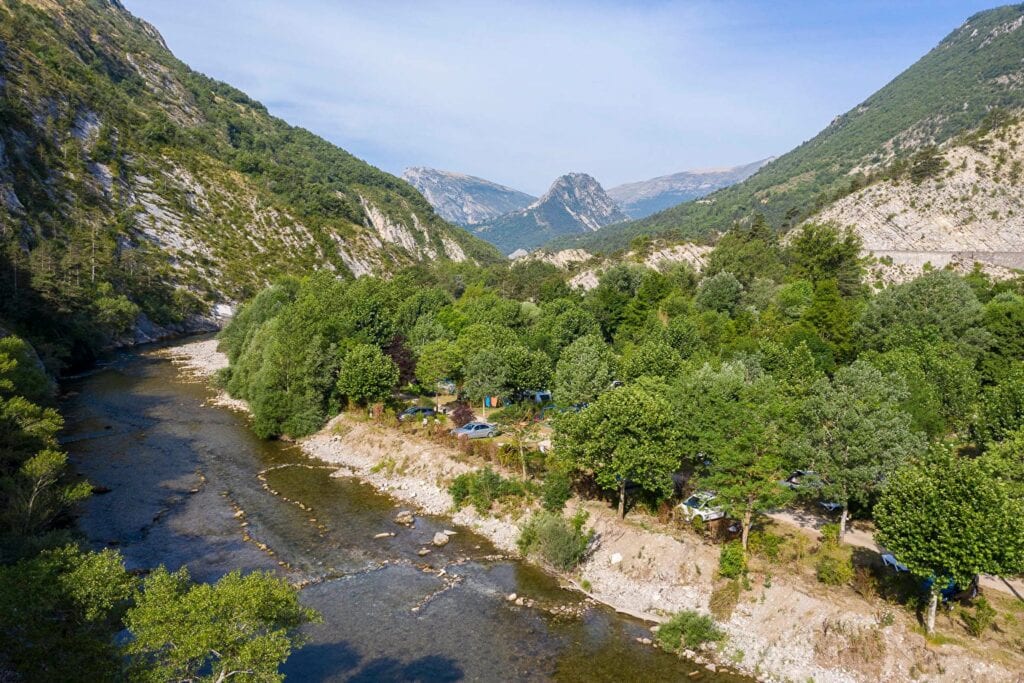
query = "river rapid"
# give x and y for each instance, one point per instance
(190, 485)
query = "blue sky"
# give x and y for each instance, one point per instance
(521, 92)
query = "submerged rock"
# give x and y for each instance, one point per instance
(405, 517)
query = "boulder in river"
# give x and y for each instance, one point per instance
(405, 517)
(440, 539)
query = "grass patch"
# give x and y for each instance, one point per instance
(724, 599)
(688, 629)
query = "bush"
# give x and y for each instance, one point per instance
(556, 490)
(559, 542)
(982, 619)
(461, 415)
(732, 562)
(482, 487)
(724, 600)
(765, 544)
(690, 629)
(830, 535)
(834, 570)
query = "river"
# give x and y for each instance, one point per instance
(190, 485)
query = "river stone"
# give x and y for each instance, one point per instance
(423, 551)
(440, 539)
(616, 558)
(405, 517)
(512, 597)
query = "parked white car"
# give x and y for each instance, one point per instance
(701, 504)
(476, 430)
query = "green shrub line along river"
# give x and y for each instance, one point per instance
(189, 484)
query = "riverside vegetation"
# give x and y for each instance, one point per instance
(61, 606)
(907, 402)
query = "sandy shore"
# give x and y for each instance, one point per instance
(783, 629)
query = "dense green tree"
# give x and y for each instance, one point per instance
(59, 612)
(241, 627)
(720, 293)
(652, 358)
(437, 361)
(749, 252)
(585, 369)
(747, 464)
(1003, 319)
(855, 434)
(615, 289)
(947, 518)
(938, 306)
(821, 252)
(367, 375)
(628, 435)
(1000, 408)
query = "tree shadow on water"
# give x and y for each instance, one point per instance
(334, 661)
(432, 669)
(321, 662)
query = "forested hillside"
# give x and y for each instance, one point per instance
(130, 183)
(950, 90)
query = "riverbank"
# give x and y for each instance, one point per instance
(784, 628)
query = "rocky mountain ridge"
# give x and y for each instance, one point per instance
(464, 199)
(574, 203)
(643, 198)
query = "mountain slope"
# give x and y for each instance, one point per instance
(575, 203)
(127, 179)
(465, 199)
(643, 198)
(963, 205)
(977, 67)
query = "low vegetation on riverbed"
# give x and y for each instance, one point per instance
(777, 379)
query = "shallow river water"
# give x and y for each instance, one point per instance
(191, 485)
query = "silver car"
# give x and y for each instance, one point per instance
(476, 430)
(701, 504)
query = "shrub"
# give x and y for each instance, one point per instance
(982, 619)
(732, 562)
(830, 536)
(765, 544)
(461, 415)
(724, 600)
(556, 490)
(690, 629)
(559, 542)
(482, 487)
(834, 570)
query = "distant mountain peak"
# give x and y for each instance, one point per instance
(575, 203)
(464, 199)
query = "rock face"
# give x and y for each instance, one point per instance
(641, 199)
(576, 203)
(464, 199)
(971, 210)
